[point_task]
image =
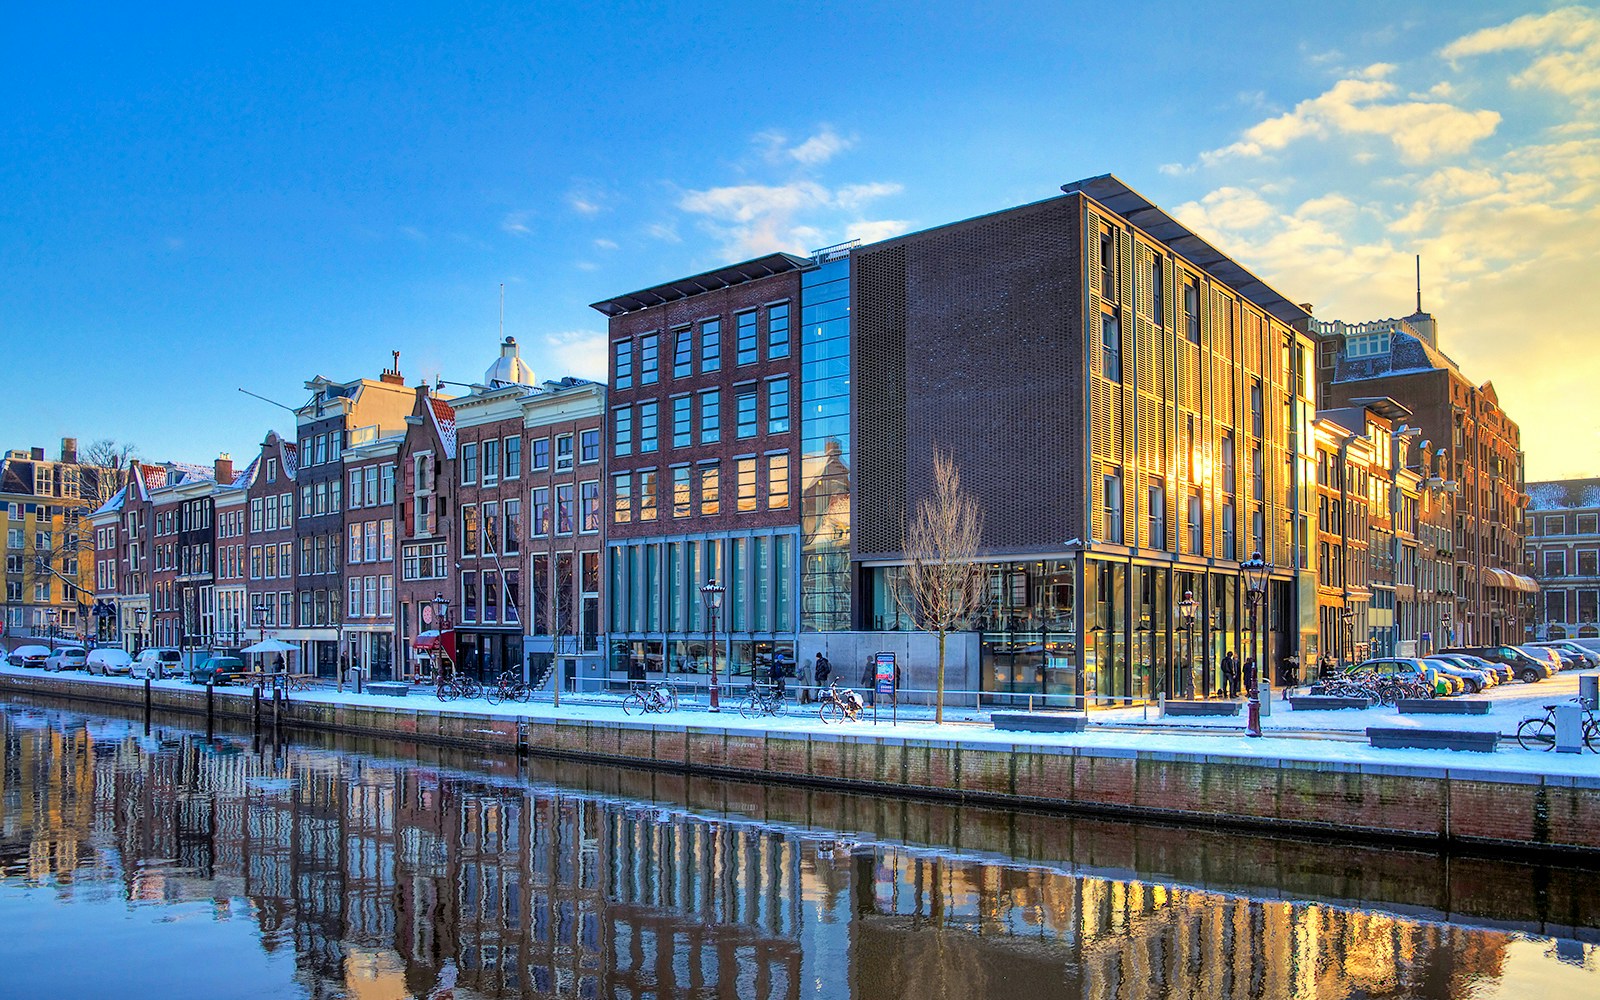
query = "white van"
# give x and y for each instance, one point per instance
(157, 662)
(109, 660)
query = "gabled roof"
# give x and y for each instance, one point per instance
(708, 281)
(114, 504)
(288, 457)
(1110, 191)
(444, 421)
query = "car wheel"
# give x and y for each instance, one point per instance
(1530, 675)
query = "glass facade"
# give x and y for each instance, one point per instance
(825, 447)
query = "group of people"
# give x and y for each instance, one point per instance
(816, 675)
(1248, 675)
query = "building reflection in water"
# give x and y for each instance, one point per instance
(390, 880)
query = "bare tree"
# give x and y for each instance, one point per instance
(106, 471)
(941, 586)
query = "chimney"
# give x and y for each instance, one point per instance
(223, 467)
(69, 450)
(37, 454)
(391, 376)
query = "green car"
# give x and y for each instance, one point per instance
(219, 670)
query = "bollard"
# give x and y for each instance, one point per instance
(255, 706)
(1266, 700)
(277, 706)
(147, 706)
(211, 708)
(1161, 705)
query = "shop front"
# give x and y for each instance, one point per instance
(486, 653)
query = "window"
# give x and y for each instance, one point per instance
(649, 420)
(1191, 309)
(305, 501)
(469, 530)
(745, 484)
(1112, 487)
(621, 431)
(710, 501)
(711, 345)
(1256, 414)
(1588, 562)
(589, 445)
(491, 461)
(1555, 563)
(1108, 263)
(1229, 482)
(354, 532)
(335, 442)
(564, 449)
(622, 364)
(512, 532)
(369, 486)
(647, 495)
(490, 527)
(255, 514)
(1158, 516)
(1230, 548)
(778, 406)
(1111, 346)
(649, 358)
(564, 509)
(469, 463)
(322, 496)
(1194, 522)
(513, 449)
(683, 352)
(778, 481)
(710, 416)
(1258, 475)
(746, 324)
(1158, 292)
(1587, 524)
(272, 470)
(322, 449)
(682, 422)
(589, 505)
(680, 491)
(355, 488)
(778, 330)
(622, 488)
(386, 539)
(335, 488)
(541, 511)
(745, 403)
(469, 597)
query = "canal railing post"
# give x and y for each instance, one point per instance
(255, 705)
(211, 708)
(147, 706)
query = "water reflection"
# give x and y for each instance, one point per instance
(372, 876)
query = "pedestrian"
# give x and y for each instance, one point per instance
(804, 674)
(777, 676)
(823, 670)
(869, 675)
(1250, 676)
(1230, 675)
(277, 664)
(1291, 672)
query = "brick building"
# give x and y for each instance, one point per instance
(704, 468)
(270, 502)
(426, 462)
(1564, 556)
(1475, 445)
(371, 555)
(230, 512)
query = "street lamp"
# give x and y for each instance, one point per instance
(1186, 609)
(441, 614)
(1348, 618)
(1449, 628)
(50, 617)
(712, 593)
(1254, 573)
(138, 630)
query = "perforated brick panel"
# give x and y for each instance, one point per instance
(879, 311)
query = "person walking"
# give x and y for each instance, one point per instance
(1250, 677)
(823, 671)
(777, 676)
(1291, 672)
(804, 674)
(1230, 675)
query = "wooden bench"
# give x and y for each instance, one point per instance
(302, 682)
(1433, 739)
(394, 689)
(1039, 722)
(1325, 702)
(1441, 706)
(1202, 708)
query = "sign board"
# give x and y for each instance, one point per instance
(884, 663)
(1427, 638)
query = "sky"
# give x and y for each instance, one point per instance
(199, 199)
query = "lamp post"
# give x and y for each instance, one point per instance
(1449, 628)
(1254, 573)
(1347, 617)
(138, 630)
(50, 617)
(441, 609)
(1186, 609)
(712, 593)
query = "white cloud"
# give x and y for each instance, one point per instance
(605, 244)
(1566, 43)
(1363, 105)
(753, 219)
(587, 200)
(878, 229)
(664, 232)
(516, 223)
(812, 151)
(575, 352)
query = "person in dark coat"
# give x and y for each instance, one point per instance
(1291, 672)
(1250, 676)
(1230, 675)
(777, 675)
(824, 670)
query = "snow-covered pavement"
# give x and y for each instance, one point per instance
(1291, 736)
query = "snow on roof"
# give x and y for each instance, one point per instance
(1564, 494)
(290, 453)
(444, 421)
(114, 504)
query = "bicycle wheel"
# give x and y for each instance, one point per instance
(634, 704)
(669, 698)
(750, 707)
(445, 691)
(470, 688)
(774, 706)
(496, 694)
(1591, 735)
(831, 712)
(1536, 734)
(524, 693)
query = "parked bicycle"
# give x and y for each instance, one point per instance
(647, 698)
(509, 686)
(1539, 732)
(763, 699)
(839, 706)
(455, 685)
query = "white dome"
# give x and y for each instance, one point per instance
(508, 368)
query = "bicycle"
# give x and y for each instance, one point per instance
(763, 699)
(1539, 732)
(457, 685)
(509, 687)
(647, 698)
(839, 707)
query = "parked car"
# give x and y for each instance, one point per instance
(67, 658)
(1549, 656)
(1475, 680)
(1590, 644)
(1529, 669)
(218, 670)
(29, 656)
(1412, 670)
(1504, 674)
(109, 660)
(157, 661)
(1591, 657)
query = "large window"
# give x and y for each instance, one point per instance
(1158, 516)
(778, 406)
(589, 445)
(589, 505)
(622, 366)
(649, 358)
(491, 461)
(469, 463)
(746, 323)
(710, 416)
(621, 432)
(1191, 310)
(778, 481)
(682, 422)
(681, 499)
(682, 352)
(622, 488)
(745, 403)
(1111, 346)
(513, 446)
(647, 495)
(710, 500)
(1112, 497)
(778, 330)
(711, 345)
(541, 511)
(649, 426)
(745, 481)
(564, 509)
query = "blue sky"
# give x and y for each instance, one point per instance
(198, 199)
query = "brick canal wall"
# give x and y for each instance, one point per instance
(1466, 806)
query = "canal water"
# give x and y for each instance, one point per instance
(169, 864)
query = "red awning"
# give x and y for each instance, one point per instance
(428, 640)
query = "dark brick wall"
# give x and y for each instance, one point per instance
(969, 339)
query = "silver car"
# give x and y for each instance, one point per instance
(66, 658)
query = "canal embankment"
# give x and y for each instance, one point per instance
(1524, 801)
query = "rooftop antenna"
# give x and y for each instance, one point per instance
(1419, 283)
(503, 307)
